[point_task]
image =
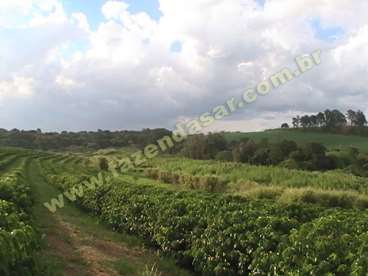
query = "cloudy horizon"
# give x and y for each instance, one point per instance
(72, 65)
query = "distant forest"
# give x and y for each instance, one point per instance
(36, 139)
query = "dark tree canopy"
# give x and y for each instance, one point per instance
(330, 119)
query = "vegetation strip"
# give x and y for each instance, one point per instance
(224, 235)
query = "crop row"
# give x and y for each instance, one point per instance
(18, 239)
(7, 161)
(225, 235)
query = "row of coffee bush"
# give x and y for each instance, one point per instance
(19, 241)
(216, 234)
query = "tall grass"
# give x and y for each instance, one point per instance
(207, 183)
(238, 174)
(331, 199)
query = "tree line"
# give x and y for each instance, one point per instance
(330, 119)
(309, 156)
(36, 139)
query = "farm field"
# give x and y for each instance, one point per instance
(183, 138)
(332, 141)
(177, 216)
(35, 241)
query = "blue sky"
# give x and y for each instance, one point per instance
(261, 2)
(328, 33)
(92, 8)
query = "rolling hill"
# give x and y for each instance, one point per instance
(331, 141)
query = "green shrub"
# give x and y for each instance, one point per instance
(18, 239)
(222, 235)
(335, 244)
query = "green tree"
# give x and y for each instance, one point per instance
(360, 119)
(244, 151)
(321, 119)
(305, 121)
(296, 122)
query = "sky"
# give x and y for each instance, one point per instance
(108, 64)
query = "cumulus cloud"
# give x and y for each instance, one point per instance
(114, 9)
(17, 87)
(125, 73)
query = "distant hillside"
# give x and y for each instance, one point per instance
(100, 139)
(300, 136)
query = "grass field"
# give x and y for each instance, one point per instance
(331, 141)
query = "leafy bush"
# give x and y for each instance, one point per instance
(336, 243)
(18, 239)
(14, 189)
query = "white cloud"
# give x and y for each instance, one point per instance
(114, 9)
(20, 13)
(17, 87)
(124, 74)
(82, 21)
(67, 83)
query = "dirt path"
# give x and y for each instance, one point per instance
(83, 254)
(77, 244)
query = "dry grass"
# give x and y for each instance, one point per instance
(333, 198)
